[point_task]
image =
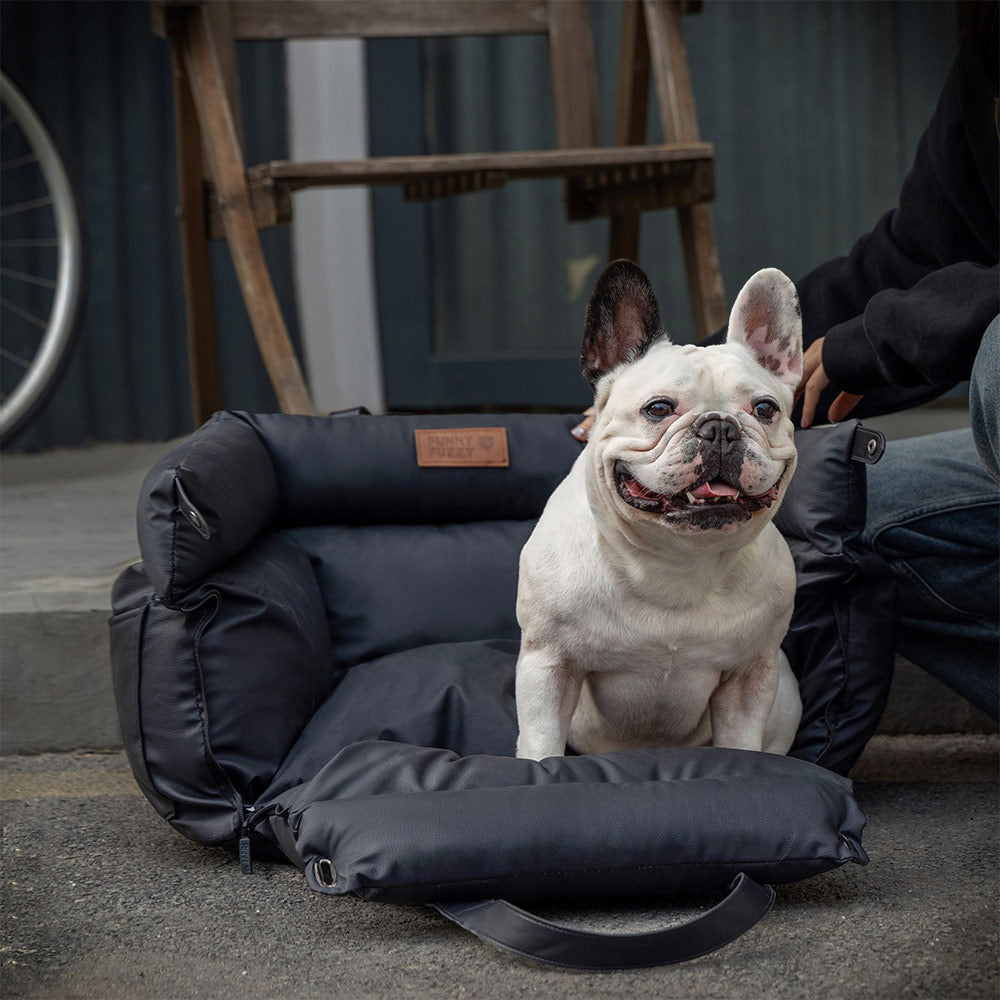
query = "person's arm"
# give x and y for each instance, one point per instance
(905, 311)
(927, 335)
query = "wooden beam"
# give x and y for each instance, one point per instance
(680, 124)
(630, 119)
(203, 359)
(534, 163)
(386, 18)
(574, 74)
(623, 192)
(270, 205)
(225, 163)
(220, 16)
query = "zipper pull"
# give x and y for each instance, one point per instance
(252, 818)
(246, 860)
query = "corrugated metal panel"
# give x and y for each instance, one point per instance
(103, 82)
(815, 109)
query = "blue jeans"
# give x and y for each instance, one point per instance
(934, 515)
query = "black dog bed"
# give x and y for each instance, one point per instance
(315, 661)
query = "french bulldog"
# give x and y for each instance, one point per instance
(655, 591)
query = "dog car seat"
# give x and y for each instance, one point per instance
(314, 661)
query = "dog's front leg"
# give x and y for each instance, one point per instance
(547, 691)
(741, 705)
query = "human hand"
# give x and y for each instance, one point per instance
(582, 429)
(814, 381)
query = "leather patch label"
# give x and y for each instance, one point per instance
(462, 447)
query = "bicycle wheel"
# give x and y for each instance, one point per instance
(40, 262)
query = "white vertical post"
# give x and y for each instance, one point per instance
(332, 228)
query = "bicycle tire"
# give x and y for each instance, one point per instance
(44, 368)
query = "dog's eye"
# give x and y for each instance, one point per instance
(765, 409)
(659, 409)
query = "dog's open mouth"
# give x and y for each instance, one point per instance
(706, 504)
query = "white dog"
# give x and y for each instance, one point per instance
(654, 592)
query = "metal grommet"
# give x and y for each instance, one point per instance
(872, 446)
(325, 873)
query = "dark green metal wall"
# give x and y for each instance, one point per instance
(815, 108)
(102, 80)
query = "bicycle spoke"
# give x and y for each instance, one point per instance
(16, 358)
(19, 161)
(32, 279)
(41, 248)
(25, 206)
(24, 314)
(20, 244)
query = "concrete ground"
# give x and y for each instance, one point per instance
(101, 899)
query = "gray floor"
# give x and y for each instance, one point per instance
(102, 900)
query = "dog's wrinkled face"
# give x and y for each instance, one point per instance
(695, 439)
(698, 437)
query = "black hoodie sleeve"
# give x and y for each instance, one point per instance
(908, 305)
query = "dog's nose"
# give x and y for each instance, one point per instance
(721, 429)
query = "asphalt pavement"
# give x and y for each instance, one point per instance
(102, 900)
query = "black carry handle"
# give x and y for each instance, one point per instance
(513, 929)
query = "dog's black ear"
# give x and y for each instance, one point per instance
(623, 320)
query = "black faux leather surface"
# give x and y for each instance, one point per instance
(415, 824)
(228, 475)
(841, 639)
(340, 650)
(396, 587)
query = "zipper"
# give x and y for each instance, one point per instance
(252, 818)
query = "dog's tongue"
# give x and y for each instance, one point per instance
(708, 490)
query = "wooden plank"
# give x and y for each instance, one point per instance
(220, 15)
(270, 204)
(386, 18)
(680, 124)
(633, 78)
(574, 74)
(166, 18)
(607, 181)
(630, 118)
(622, 193)
(671, 73)
(203, 360)
(226, 166)
(701, 257)
(515, 165)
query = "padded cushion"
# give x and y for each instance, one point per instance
(456, 696)
(214, 692)
(363, 470)
(395, 587)
(321, 642)
(203, 503)
(415, 824)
